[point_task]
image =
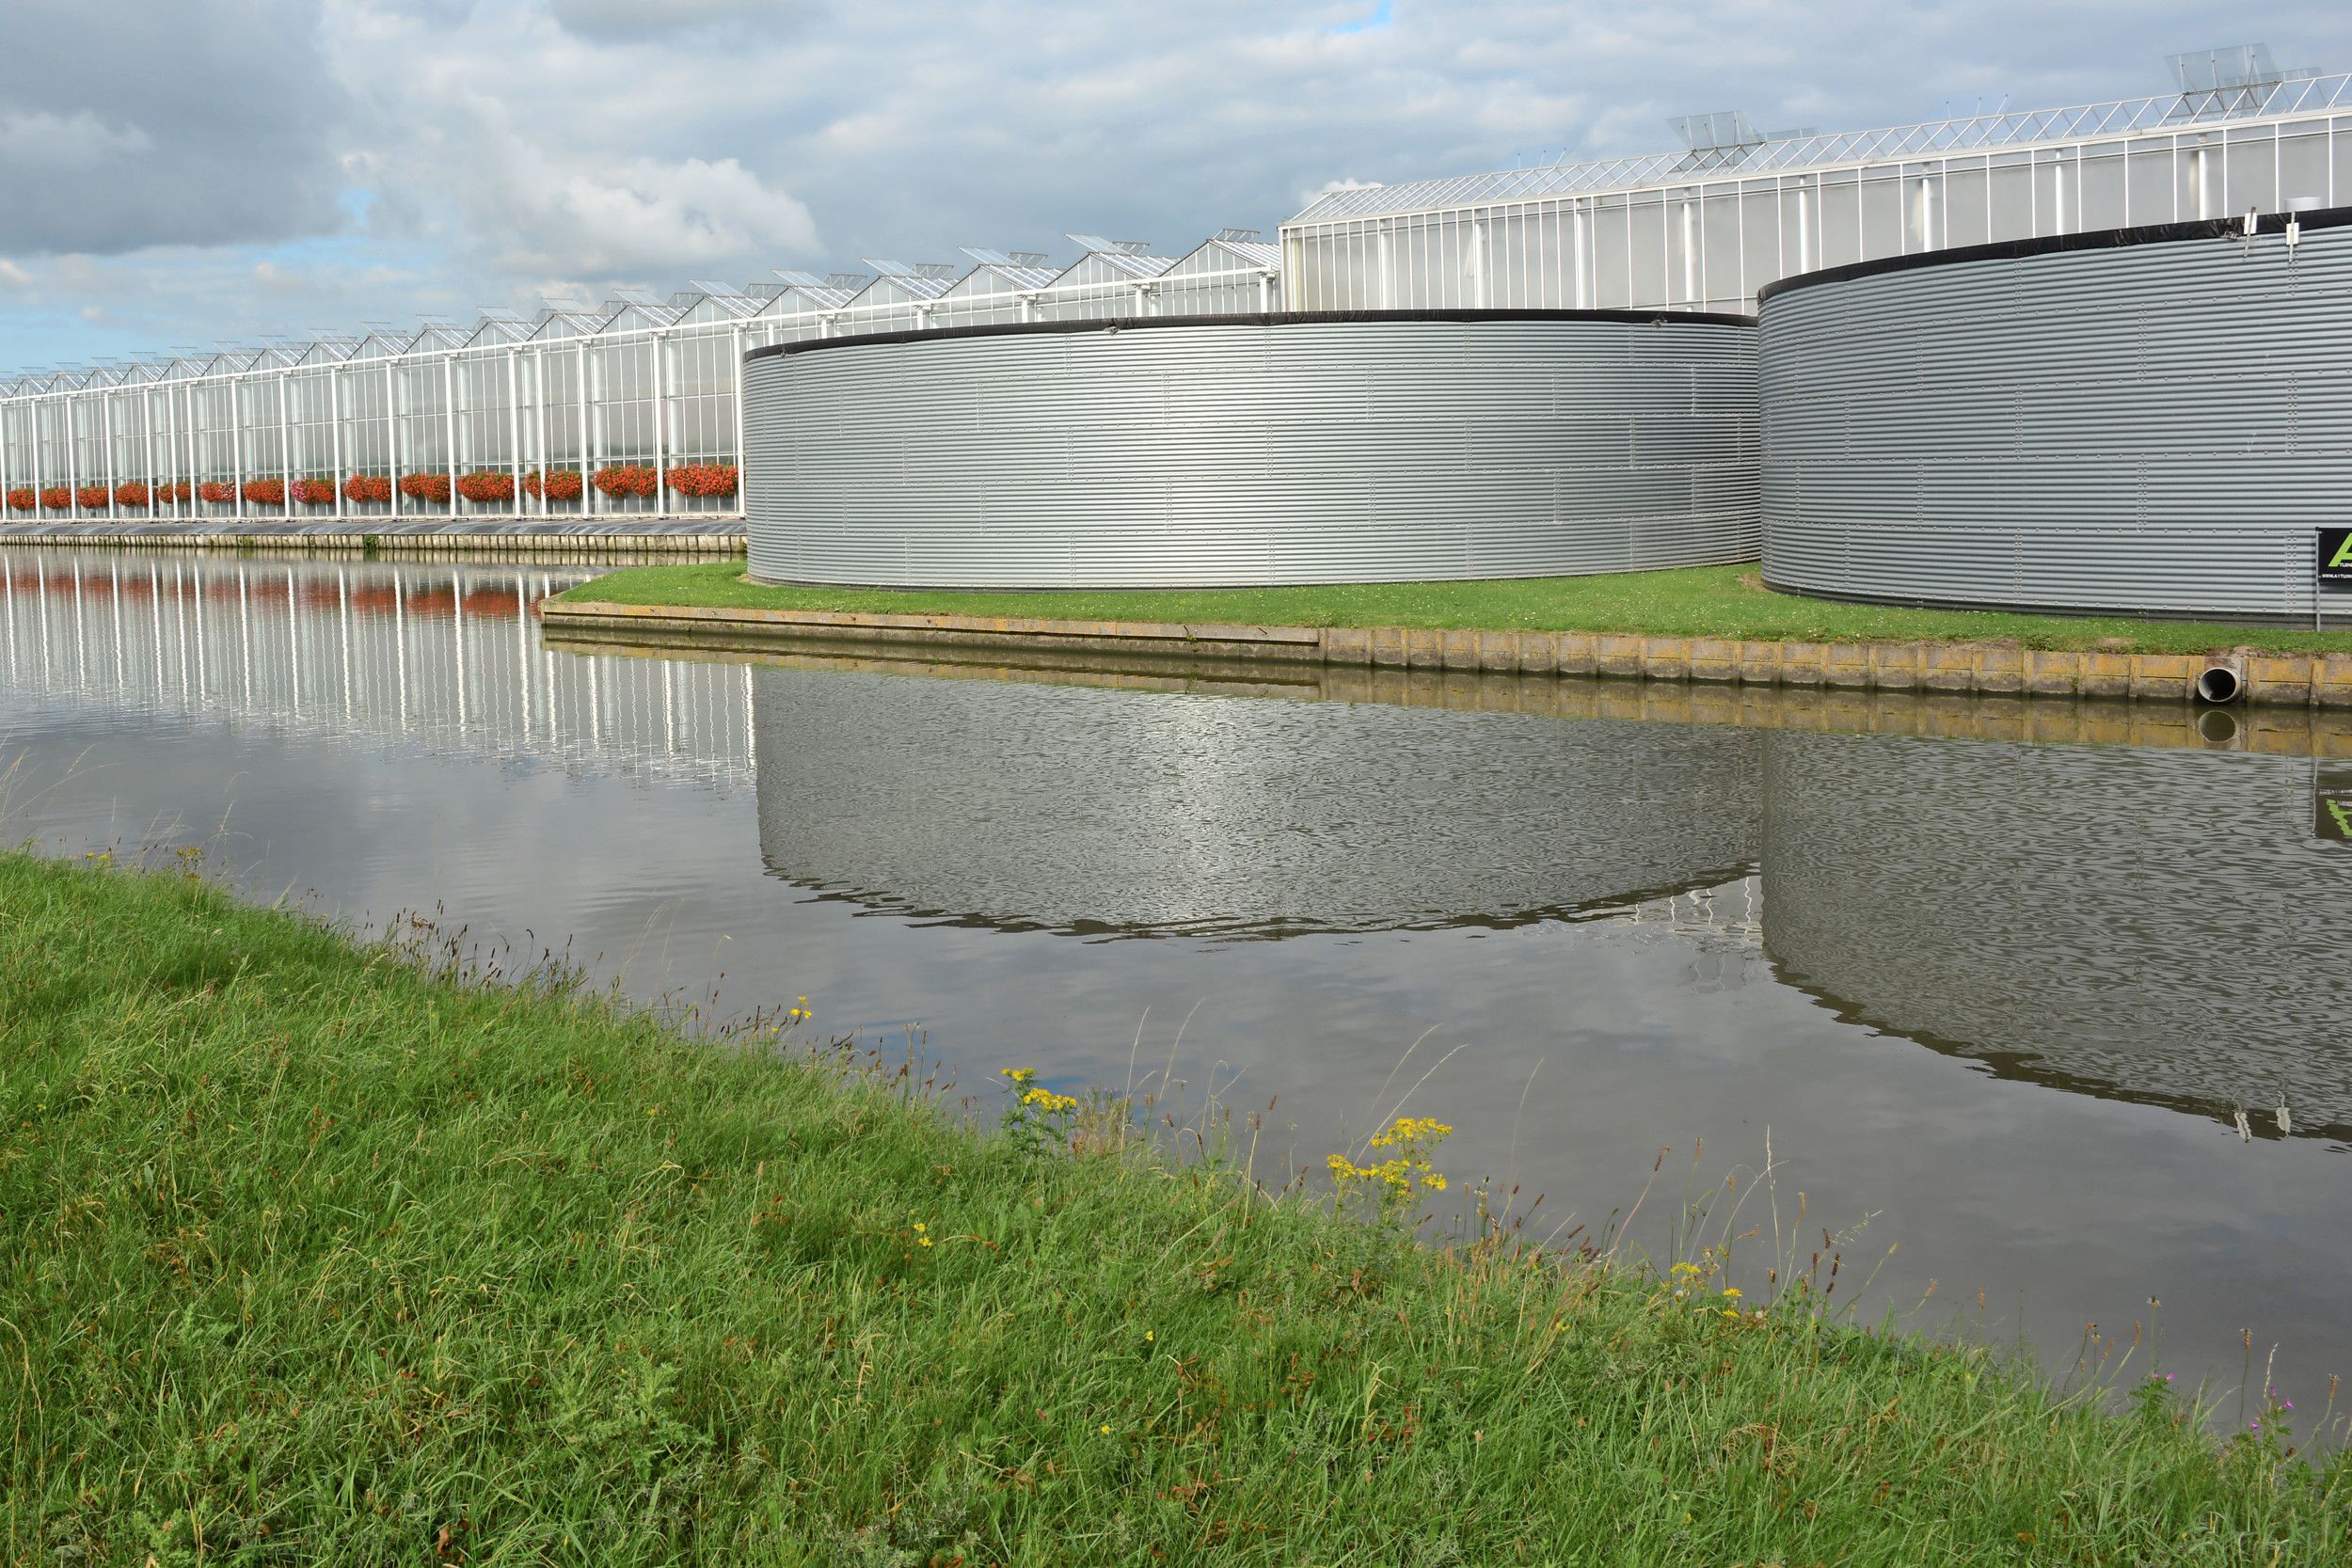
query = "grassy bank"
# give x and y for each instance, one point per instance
(316, 1257)
(1699, 601)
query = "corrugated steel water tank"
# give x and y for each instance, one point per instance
(1255, 449)
(2148, 419)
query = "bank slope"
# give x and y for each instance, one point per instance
(315, 1256)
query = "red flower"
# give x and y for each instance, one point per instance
(22, 500)
(177, 490)
(487, 485)
(265, 492)
(93, 496)
(425, 488)
(563, 484)
(216, 491)
(702, 479)
(56, 497)
(131, 492)
(314, 492)
(368, 487)
(627, 479)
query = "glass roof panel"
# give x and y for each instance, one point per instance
(1792, 154)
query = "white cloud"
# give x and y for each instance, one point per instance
(639, 19)
(14, 277)
(415, 155)
(546, 168)
(35, 138)
(204, 121)
(1308, 198)
(643, 215)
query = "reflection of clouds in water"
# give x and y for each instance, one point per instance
(1065, 809)
(2162, 925)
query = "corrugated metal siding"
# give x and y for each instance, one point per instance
(2106, 936)
(1168, 816)
(2151, 427)
(1251, 454)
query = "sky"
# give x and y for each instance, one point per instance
(194, 172)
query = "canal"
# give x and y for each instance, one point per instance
(2050, 999)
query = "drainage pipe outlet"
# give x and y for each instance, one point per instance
(2219, 683)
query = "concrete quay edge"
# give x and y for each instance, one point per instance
(2322, 680)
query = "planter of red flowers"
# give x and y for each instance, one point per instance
(364, 488)
(425, 488)
(564, 485)
(702, 479)
(216, 491)
(265, 492)
(177, 491)
(131, 492)
(314, 492)
(487, 488)
(627, 479)
(56, 497)
(93, 497)
(22, 500)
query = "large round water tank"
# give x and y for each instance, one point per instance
(2152, 421)
(1251, 450)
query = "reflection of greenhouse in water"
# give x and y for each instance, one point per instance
(1048, 807)
(2150, 924)
(446, 657)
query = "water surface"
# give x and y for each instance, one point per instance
(1999, 979)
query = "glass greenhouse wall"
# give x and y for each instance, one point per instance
(626, 411)
(1705, 227)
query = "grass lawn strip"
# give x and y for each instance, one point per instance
(1697, 601)
(318, 1255)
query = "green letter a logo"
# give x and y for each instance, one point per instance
(2344, 554)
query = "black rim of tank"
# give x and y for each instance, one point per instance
(1246, 318)
(2056, 245)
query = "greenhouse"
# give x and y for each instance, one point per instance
(621, 415)
(1708, 224)
(624, 416)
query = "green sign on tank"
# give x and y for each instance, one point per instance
(2331, 801)
(2335, 555)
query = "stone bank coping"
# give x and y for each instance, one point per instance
(2295, 680)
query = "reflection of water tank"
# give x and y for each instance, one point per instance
(1068, 807)
(2160, 925)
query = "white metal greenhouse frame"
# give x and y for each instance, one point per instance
(507, 394)
(1706, 227)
